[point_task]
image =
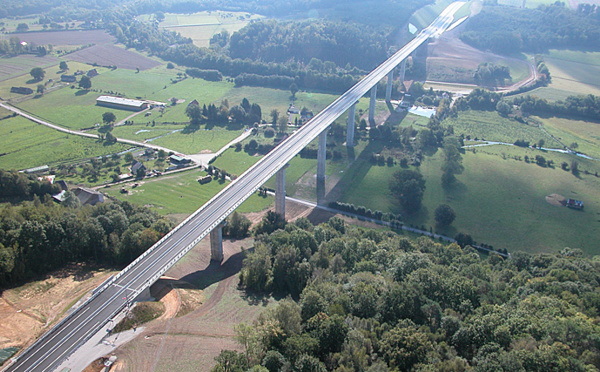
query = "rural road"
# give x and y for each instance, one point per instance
(76, 132)
(199, 159)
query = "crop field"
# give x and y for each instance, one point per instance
(11, 67)
(180, 193)
(547, 93)
(80, 37)
(25, 144)
(451, 60)
(585, 134)
(200, 27)
(498, 202)
(490, 126)
(111, 55)
(575, 72)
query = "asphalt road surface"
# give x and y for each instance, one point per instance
(114, 296)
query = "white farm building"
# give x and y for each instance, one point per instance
(121, 103)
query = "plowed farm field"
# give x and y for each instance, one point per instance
(66, 37)
(111, 55)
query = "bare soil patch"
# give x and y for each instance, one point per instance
(81, 37)
(110, 55)
(29, 310)
(556, 199)
(207, 328)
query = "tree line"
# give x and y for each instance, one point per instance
(366, 300)
(509, 30)
(336, 42)
(39, 236)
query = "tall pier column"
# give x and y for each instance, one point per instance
(402, 71)
(351, 126)
(216, 243)
(372, 106)
(322, 155)
(388, 90)
(280, 191)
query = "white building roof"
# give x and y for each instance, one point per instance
(120, 101)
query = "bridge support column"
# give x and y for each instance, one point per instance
(402, 71)
(216, 243)
(351, 126)
(388, 90)
(322, 155)
(280, 191)
(372, 106)
(144, 296)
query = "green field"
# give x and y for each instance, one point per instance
(235, 162)
(532, 4)
(585, 134)
(574, 71)
(177, 138)
(200, 27)
(489, 125)
(498, 202)
(180, 193)
(28, 145)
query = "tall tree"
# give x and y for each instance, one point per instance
(37, 73)
(85, 82)
(108, 118)
(408, 187)
(194, 112)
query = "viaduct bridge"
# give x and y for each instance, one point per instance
(121, 290)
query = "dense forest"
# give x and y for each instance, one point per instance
(366, 300)
(340, 43)
(512, 30)
(39, 235)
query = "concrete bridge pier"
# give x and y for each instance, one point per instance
(216, 243)
(144, 296)
(322, 154)
(280, 191)
(321, 157)
(402, 71)
(372, 106)
(351, 126)
(388, 90)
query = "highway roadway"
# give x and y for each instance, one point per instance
(113, 296)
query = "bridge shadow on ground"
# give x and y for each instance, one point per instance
(354, 174)
(215, 271)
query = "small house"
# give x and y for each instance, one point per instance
(178, 159)
(21, 90)
(88, 196)
(293, 109)
(68, 78)
(138, 168)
